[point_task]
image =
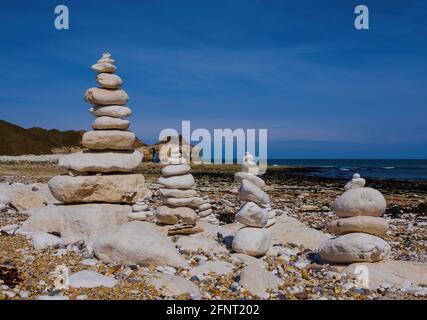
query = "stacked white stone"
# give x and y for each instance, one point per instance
(359, 232)
(179, 199)
(253, 239)
(103, 173)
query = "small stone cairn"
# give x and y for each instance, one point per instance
(104, 172)
(360, 230)
(179, 200)
(255, 212)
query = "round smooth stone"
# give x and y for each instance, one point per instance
(108, 140)
(111, 111)
(175, 170)
(177, 193)
(185, 202)
(104, 67)
(101, 162)
(110, 123)
(105, 97)
(354, 247)
(185, 181)
(109, 81)
(252, 241)
(360, 202)
(372, 225)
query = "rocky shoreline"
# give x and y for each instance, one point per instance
(304, 203)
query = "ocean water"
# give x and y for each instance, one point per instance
(379, 169)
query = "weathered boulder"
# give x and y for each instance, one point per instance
(136, 242)
(76, 222)
(252, 241)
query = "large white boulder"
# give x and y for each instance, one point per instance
(360, 202)
(98, 162)
(354, 247)
(252, 215)
(108, 140)
(120, 188)
(185, 181)
(76, 222)
(240, 176)
(250, 192)
(105, 97)
(259, 281)
(136, 242)
(372, 225)
(252, 241)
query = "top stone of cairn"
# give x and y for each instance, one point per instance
(105, 64)
(249, 165)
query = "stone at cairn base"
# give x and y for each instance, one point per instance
(252, 241)
(354, 247)
(124, 188)
(98, 162)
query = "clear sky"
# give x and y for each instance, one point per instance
(297, 68)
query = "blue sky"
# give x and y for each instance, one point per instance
(297, 68)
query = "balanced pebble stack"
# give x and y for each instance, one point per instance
(103, 172)
(253, 239)
(360, 230)
(180, 200)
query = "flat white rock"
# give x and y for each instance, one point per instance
(258, 281)
(372, 225)
(91, 279)
(108, 139)
(174, 286)
(193, 243)
(101, 162)
(110, 123)
(43, 240)
(106, 97)
(218, 267)
(111, 111)
(185, 181)
(354, 247)
(177, 193)
(175, 170)
(185, 202)
(76, 222)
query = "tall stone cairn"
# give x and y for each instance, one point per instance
(104, 171)
(360, 229)
(253, 239)
(179, 200)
